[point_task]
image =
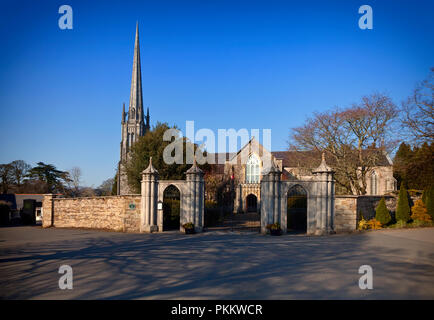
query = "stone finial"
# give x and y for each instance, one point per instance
(150, 169)
(271, 169)
(323, 167)
(194, 168)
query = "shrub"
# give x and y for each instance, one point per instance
(363, 224)
(274, 226)
(382, 214)
(370, 224)
(420, 213)
(374, 224)
(188, 225)
(403, 208)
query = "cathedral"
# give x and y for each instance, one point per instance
(134, 123)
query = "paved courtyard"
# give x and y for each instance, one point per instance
(214, 265)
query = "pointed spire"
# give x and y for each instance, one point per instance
(123, 112)
(148, 124)
(136, 99)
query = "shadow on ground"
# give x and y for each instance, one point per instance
(215, 265)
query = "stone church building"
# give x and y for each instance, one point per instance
(242, 170)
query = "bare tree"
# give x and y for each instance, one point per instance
(6, 177)
(20, 170)
(353, 139)
(419, 111)
(75, 180)
(106, 187)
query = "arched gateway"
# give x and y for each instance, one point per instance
(320, 194)
(191, 193)
(319, 190)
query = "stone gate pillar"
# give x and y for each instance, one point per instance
(195, 197)
(149, 189)
(325, 193)
(270, 197)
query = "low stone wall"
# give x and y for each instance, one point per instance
(345, 215)
(348, 210)
(117, 213)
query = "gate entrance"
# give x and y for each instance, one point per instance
(252, 203)
(297, 209)
(171, 208)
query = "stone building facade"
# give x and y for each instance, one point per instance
(244, 170)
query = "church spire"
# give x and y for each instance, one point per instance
(135, 111)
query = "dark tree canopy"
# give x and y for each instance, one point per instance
(48, 173)
(152, 145)
(414, 167)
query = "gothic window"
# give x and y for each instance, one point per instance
(252, 169)
(374, 183)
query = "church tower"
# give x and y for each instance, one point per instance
(134, 124)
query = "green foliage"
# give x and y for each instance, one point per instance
(50, 175)
(152, 145)
(381, 213)
(115, 185)
(403, 207)
(188, 225)
(274, 226)
(429, 201)
(414, 168)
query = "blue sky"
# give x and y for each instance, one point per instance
(223, 64)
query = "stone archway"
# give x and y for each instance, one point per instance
(251, 203)
(320, 194)
(192, 201)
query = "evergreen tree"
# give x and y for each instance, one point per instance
(381, 213)
(152, 145)
(400, 164)
(403, 208)
(428, 194)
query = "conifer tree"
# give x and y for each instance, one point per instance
(381, 213)
(429, 201)
(403, 208)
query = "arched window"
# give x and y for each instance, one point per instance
(252, 169)
(374, 183)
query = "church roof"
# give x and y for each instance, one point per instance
(294, 159)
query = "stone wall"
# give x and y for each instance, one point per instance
(347, 209)
(345, 215)
(117, 213)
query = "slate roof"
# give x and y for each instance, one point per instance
(293, 159)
